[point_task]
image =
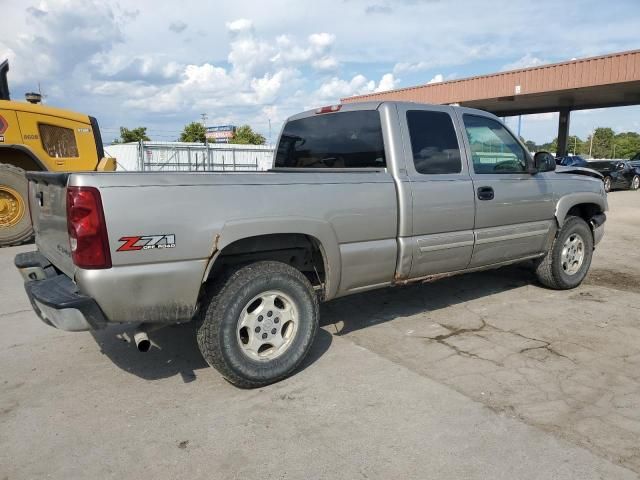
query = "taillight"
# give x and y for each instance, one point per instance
(87, 228)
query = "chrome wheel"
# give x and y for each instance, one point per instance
(607, 184)
(635, 183)
(572, 255)
(267, 325)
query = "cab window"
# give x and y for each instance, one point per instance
(493, 148)
(58, 142)
(433, 142)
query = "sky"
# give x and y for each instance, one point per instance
(163, 64)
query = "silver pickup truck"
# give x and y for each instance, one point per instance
(361, 196)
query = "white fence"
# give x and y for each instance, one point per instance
(190, 157)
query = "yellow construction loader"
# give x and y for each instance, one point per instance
(38, 137)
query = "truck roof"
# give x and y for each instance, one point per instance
(349, 107)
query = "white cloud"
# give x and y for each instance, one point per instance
(439, 78)
(241, 25)
(336, 88)
(321, 41)
(524, 62)
(387, 82)
(407, 67)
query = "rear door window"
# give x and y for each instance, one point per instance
(333, 140)
(433, 142)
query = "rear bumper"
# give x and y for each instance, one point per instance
(55, 298)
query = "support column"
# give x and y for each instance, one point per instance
(563, 131)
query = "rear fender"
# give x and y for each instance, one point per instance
(322, 231)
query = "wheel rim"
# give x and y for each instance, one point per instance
(572, 254)
(267, 325)
(607, 184)
(12, 207)
(635, 183)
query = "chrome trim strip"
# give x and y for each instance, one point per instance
(511, 236)
(432, 248)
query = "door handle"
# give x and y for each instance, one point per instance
(485, 193)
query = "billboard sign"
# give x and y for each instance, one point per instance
(221, 133)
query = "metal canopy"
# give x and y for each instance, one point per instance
(606, 81)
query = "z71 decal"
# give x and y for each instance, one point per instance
(146, 242)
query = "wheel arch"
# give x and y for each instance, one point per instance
(275, 239)
(583, 205)
(21, 156)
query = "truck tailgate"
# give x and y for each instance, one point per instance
(48, 204)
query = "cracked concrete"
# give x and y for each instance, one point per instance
(567, 362)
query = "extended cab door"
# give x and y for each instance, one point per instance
(514, 208)
(442, 209)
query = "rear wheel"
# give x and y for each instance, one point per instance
(15, 222)
(635, 182)
(259, 323)
(568, 261)
(607, 184)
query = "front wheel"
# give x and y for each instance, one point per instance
(258, 324)
(635, 183)
(568, 261)
(607, 184)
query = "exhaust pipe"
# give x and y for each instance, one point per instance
(142, 341)
(140, 337)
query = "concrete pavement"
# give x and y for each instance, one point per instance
(484, 376)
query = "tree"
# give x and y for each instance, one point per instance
(627, 144)
(575, 145)
(531, 145)
(602, 143)
(246, 136)
(194, 132)
(133, 135)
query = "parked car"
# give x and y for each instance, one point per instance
(618, 174)
(362, 196)
(572, 161)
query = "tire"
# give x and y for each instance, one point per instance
(554, 271)
(635, 183)
(607, 184)
(231, 348)
(15, 221)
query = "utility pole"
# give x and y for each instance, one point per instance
(613, 156)
(269, 131)
(519, 125)
(593, 134)
(205, 157)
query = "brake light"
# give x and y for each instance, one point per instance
(87, 228)
(328, 109)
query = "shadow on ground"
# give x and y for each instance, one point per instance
(355, 312)
(174, 351)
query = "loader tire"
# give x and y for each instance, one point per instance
(15, 221)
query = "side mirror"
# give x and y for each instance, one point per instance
(620, 166)
(544, 162)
